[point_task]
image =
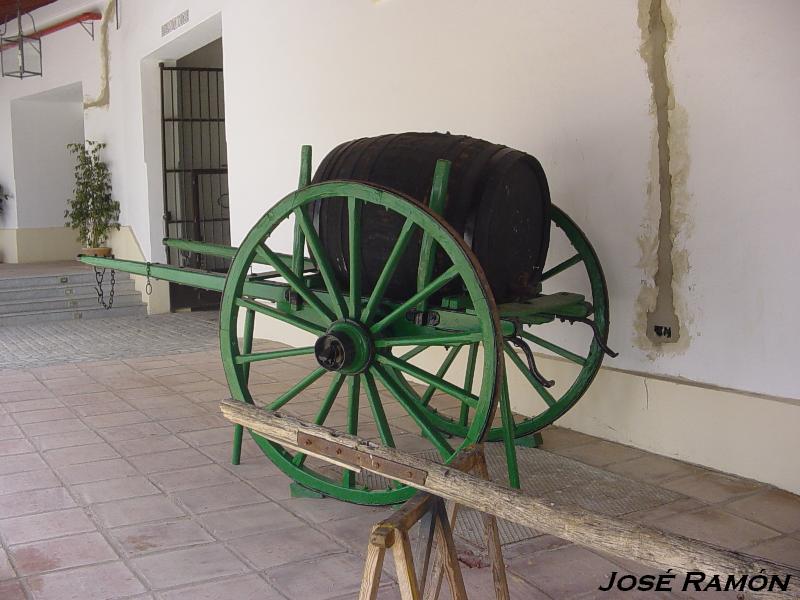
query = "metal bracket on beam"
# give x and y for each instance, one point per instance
(88, 29)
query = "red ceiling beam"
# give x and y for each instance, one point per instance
(77, 19)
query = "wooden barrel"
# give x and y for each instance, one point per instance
(498, 200)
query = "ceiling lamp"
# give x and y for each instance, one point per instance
(20, 54)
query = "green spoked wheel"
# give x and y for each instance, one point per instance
(572, 265)
(348, 373)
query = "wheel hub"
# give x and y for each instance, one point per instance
(345, 347)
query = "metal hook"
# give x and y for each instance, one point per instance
(520, 343)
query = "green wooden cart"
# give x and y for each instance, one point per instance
(365, 343)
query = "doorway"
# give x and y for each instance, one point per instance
(195, 166)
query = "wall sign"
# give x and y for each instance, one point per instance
(175, 22)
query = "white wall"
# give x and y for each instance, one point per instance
(42, 126)
(563, 80)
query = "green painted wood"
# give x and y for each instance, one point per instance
(543, 304)
(220, 250)
(436, 203)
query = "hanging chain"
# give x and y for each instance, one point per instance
(148, 288)
(99, 276)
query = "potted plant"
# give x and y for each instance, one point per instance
(91, 210)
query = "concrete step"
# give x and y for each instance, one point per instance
(95, 312)
(69, 290)
(129, 297)
(65, 279)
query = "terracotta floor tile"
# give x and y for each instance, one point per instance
(191, 565)
(97, 582)
(32, 528)
(712, 487)
(195, 477)
(12, 590)
(116, 419)
(6, 570)
(21, 463)
(130, 432)
(30, 480)
(65, 440)
(774, 508)
(114, 489)
(322, 578)
(130, 511)
(29, 502)
(54, 427)
(653, 468)
(219, 497)
(96, 471)
(169, 461)
(718, 527)
(563, 572)
(149, 444)
(152, 537)
(40, 416)
(250, 587)
(61, 553)
(75, 455)
(249, 520)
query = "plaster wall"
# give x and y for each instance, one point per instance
(42, 126)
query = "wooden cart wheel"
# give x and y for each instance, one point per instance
(576, 260)
(355, 333)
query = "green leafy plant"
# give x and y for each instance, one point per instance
(91, 210)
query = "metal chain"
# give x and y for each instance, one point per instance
(148, 288)
(99, 276)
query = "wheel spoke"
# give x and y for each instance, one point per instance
(563, 352)
(414, 411)
(297, 388)
(298, 247)
(431, 340)
(378, 414)
(354, 237)
(469, 377)
(246, 359)
(324, 266)
(294, 280)
(353, 391)
(281, 316)
(430, 379)
(546, 396)
(247, 341)
(507, 423)
(322, 414)
(413, 352)
(388, 270)
(570, 262)
(445, 366)
(424, 293)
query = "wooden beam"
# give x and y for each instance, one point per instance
(625, 539)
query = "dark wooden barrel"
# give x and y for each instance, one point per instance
(498, 200)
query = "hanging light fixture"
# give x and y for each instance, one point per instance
(20, 54)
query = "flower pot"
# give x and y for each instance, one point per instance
(96, 251)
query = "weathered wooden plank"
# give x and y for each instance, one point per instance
(618, 537)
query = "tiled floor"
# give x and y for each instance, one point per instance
(115, 482)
